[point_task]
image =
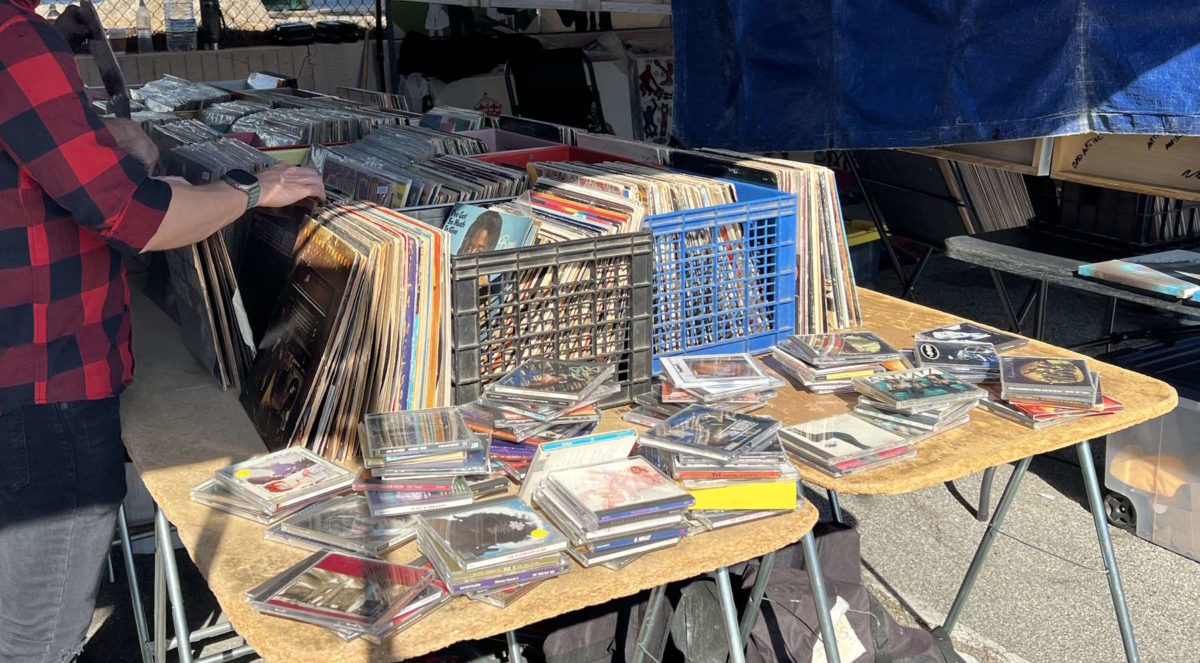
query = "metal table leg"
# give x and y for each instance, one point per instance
(737, 649)
(166, 551)
(514, 648)
(1092, 485)
(1014, 323)
(658, 596)
(835, 505)
(765, 566)
(135, 594)
(820, 599)
(1043, 301)
(985, 545)
(985, 495)
(159, 602)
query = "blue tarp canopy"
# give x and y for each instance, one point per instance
(765, 75)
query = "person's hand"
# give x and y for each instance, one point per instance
(72, 27)
(283, 185)
(133, 140)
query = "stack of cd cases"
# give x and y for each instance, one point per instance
(917, 390)
(491, 544)
(271, 487)
(844, 444)
(420, 460)
(351, 595)
(344, 523)
(826, 363)
(1049, 380)
(615, 509)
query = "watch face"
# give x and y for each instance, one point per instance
(241, 178)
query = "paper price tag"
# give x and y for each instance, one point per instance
(849, 646)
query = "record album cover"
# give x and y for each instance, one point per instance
(475, 229)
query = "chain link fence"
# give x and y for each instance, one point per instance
(241, 16)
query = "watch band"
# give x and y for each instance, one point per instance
(246, 183)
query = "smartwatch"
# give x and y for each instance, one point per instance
(245, 182)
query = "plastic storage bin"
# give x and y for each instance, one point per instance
(724, 276)
(582, 299)
(863, 239)
(1122, 219)
(1153, 469)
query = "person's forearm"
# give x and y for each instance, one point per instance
(195, 213)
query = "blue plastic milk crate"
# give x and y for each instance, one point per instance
(725, 276)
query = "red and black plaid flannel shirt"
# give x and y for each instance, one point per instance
(70, 200)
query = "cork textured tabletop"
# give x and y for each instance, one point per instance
(179, 428)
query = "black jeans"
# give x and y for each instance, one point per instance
(62, 477)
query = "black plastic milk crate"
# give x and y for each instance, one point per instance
(1123, 219)
(582, 299)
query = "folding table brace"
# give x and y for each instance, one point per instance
(166, 584)
(1092, 486)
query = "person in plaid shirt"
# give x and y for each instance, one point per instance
(75, 194)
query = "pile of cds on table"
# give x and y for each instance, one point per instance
(916, 403)
(351, 595)
(614, 510)
(271, 487)
(969, 361)
(727, 461)
(420, 460)
(1043, 391)
(844, 444)
(730, 381)
(344, 523)
(826, 363)
(540, 401)
(490, 545)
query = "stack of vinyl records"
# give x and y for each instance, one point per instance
(714, 379)
(344, 523)
(614, 510)
(420, 460)
(844, 444)
(969, 361)
(916, 403)
(351, 595)
(491, 544)
(203, 275)
(271, 487)
(414, 166)
(360, 326)
(658, 191)
(826, 363)
(1043, 391)
(826, 297)
(147, 120)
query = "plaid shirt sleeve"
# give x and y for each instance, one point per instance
(58, 142)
